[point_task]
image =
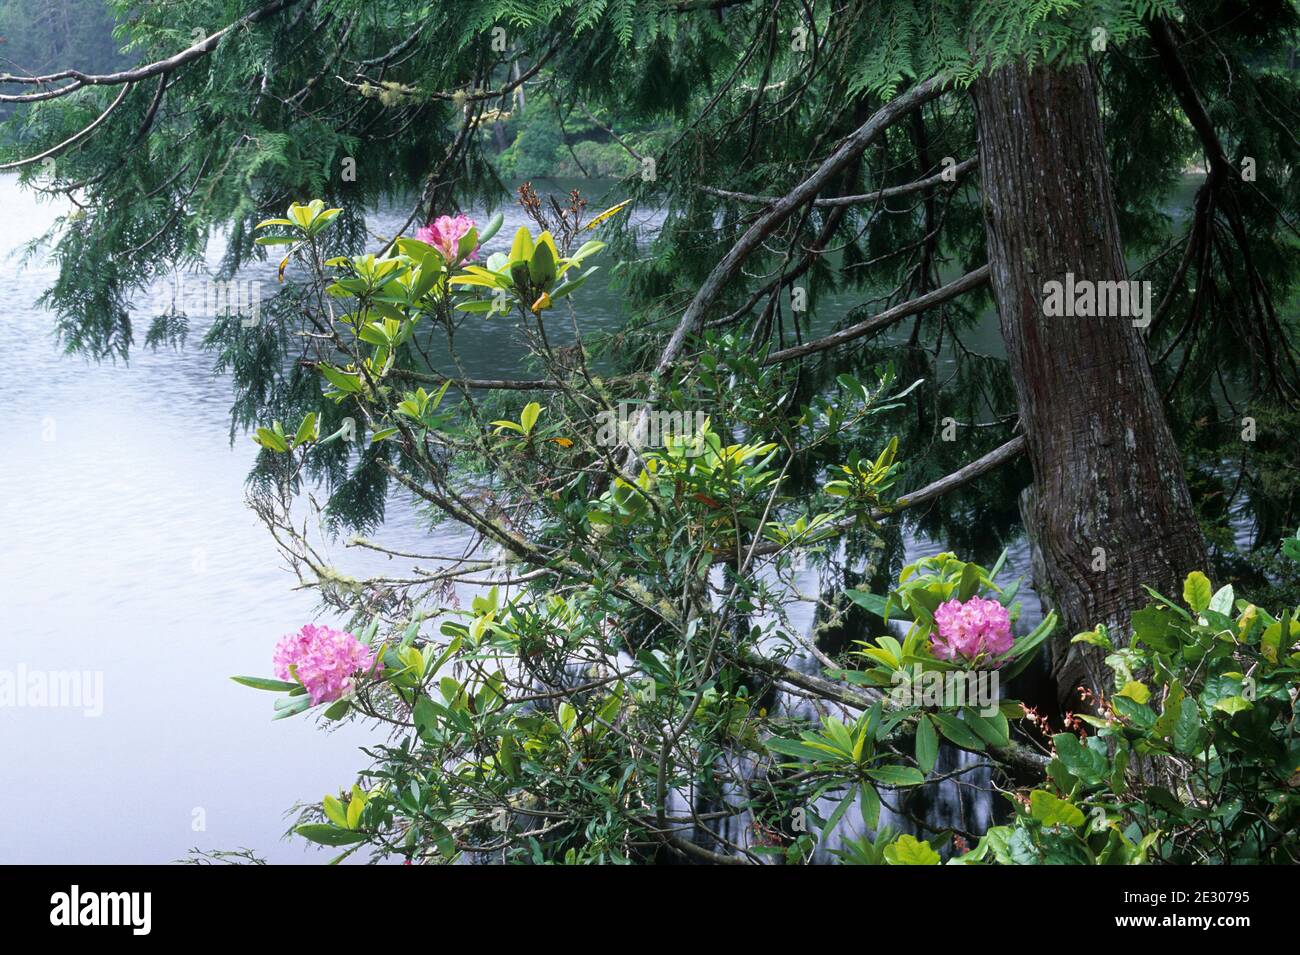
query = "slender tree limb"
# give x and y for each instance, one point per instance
(726, 270)
(963, 475)
(690, 6)
(201, 48)
(43, 95)
(971, 280)
(152, 112)
(863, 199)
(1014, 757)
(469, 96)
(483, 384)
(772, 219)
(74, 138)
(924, 495)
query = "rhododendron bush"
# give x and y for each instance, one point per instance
(1192, 758)
(630, 678)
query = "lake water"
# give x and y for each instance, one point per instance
(128, 554)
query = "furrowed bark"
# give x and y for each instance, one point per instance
(1107, 472)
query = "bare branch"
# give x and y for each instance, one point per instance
(201, 48)
(771, 220)
(75, 137)
(863, 199)
(889, 316)
(485, 384)
(963, 475)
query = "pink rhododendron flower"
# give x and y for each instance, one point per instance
(325, 659)
(444, 234)
(968, 629)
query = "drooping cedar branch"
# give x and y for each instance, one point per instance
(799, 196)
(201, 48)
(1219, 182)
(784, 277)
(74, 138)
(126, 78)
(471, 96)
(802, 194)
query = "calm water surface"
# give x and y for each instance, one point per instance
(128, 551)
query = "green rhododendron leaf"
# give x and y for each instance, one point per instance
(1197, 591)
(897, 775)
(927, 744)
(1053, 811)
(957, 731)
(329, 835)
(908, 850)
(335, 812)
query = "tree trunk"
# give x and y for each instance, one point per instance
(1110, 509)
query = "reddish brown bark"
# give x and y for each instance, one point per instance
(1107, 472)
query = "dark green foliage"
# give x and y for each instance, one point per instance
(724, 99)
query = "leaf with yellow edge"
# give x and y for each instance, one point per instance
(1197, 591)
(528, 417)
(355, 805)
(521, 250)
(334, 812)
(908, 850)
(483, 280)
(541, 267)
(548, 240)
(607, 214)
(1136, 691)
